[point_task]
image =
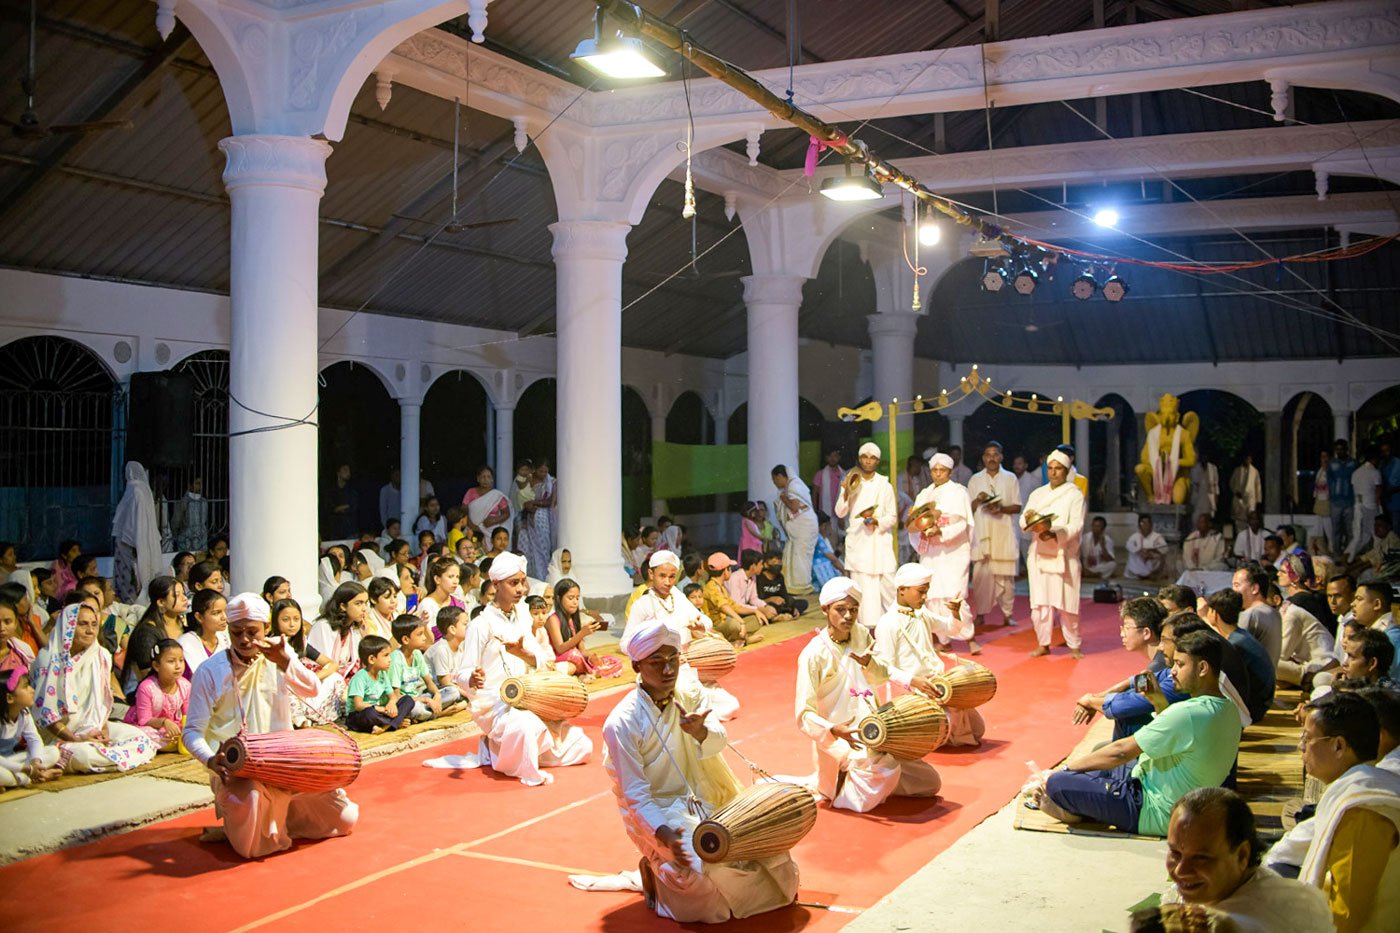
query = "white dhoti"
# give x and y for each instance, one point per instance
(993, 587)
(799, 550)
(864, 779)
(260, 820)
(876, 593)
(870, 558)
(520, 744)
(1052, 567)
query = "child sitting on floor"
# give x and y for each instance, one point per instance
(161, 698)
(539, 612)
(696, 594)
(447, 655)
(328, 705)
(409, 674)
(24, 758)
(374, 704)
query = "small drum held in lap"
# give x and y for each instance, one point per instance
(909, 727)
(550, 695)
(712, 658)
(761, 821)
(306, 760)
(965, 686)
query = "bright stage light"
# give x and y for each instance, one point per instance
(850, 187)
(929, 234)
(618, 57)
(1106, 217)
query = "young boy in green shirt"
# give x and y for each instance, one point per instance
(372, 703)
(409, 674)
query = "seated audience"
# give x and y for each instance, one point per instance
(1141, 633)
(1213, 859)
(772, 589)
(328, 705)
(1249, 540)
(446, 655)
(372, 703)
(1384, 540)
(1307, 645)
(1204, 548)
(1096, 551)
(1370, 658)
(825, 564)
(726, 616)
(409, 673)
(162, 697)
(1177, 598)
(24, 758)
(567, 627)
(743, 590)
(1258, 618)
(1147, 552)
(206, 632)
(1221, 611)
(1371, 607)
(164, 618)
(337, 633)
(1386, 702)
(15, 654)
(1133, 783)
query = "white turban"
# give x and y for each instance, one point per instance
(646, 638)
(664, 557)
(912, 575)
(942, 460)
(837, 589)
(1060, 457)
(506, 565)
(248, 606)
(869, 448)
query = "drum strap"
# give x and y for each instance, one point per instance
(693, 804)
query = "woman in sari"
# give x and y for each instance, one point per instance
(73, 698)
(137, 533)
(487, 507)
(536, 537)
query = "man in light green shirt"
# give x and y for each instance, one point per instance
(1134, 782)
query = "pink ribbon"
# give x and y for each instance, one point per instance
(859, 693)
(814, 147)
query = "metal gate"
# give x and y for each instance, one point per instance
(209, 372)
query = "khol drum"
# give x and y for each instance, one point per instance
(965, 686)
(761, 821)
(909, 727)
(305, 760)
(550, 695)
(712, 658)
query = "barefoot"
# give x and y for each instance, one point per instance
(213, 834)
(753, 639)
(376, 730)
(1076, 654)
(973, 647)
(1040, 651)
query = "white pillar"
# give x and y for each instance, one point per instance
(588, 257)
(658, 435)
(275, 185)
(955, 433)
(410, 465)
(1341, 427)
(892, 346)
(772, 302)
(505, 447)
(1081, 449)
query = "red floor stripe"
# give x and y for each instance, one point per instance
(160, 876)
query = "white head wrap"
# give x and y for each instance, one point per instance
(646, 638)
(837, 589)
(942, 460)
(506, 565)
(912, 575)
(1060, 457)
(869, 448)
(248, 606)
(664, 557)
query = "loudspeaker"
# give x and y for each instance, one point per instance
(160, 421)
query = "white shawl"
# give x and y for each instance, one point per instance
(134, 524)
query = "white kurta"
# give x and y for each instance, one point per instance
(994, 552)
(1246, 493)
(1205, 488)
(948, 555)
(903, 643)
(1052, 567)
(801, 531)
(655, 767)
(682, 616)
(1249, 545)
(869, 557)
(259, 819)
(515, 741)
(1096, 556)
(1203, 552)
(833, 689)
(1139, 566)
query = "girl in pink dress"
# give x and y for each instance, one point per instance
(161, 698)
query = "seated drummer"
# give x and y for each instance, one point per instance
(834, 676)
(501, 644)
(248, 687)
(662, 744)
(904, 642)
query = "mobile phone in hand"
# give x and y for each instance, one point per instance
(1140, 683)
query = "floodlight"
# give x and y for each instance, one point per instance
(616, 55)
(1026, 280)
(1084, 286)
(1106, 217)
(1114, 289)
(994, 277)
(850, 187)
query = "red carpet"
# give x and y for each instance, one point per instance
(445, 849)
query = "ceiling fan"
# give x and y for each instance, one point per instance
(29, 127)
(453, 225)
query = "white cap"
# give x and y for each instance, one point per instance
(869, 448)
(646, 638)
(507, 565)
(837, 589)
(912, 575)
(248, 606)
(942, 460)
(664, 557)
(1060, 457)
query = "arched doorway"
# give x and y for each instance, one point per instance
(359, 426)
(535, 420)
(1307, 433)
(59, 417)
(739, 424)
(453, 443)
(689, 422)
(1027, 435)
(208, 371)
(1115, 445)
(636, 457)
(1378, 418)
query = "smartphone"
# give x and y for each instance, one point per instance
(1140, 683)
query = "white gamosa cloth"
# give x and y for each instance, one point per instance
(655, 767)
(514, 741)
(833, 689)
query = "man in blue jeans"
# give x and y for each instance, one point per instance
(1340, 494)
(1134, 782)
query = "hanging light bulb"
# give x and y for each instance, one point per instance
(850, 187)
(616, 55)
(929, 233)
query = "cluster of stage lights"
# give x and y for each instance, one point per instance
(1020, 272)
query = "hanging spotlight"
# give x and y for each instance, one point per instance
(850, 187)
(616, 55)
(929, 233)
(1026, 280)
(994, 277)
(1106, 217)
(1114, 289)
(1084, 286)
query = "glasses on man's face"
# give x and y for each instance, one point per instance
(1130, 626)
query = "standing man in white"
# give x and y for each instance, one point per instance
(798, 519)
(945, 548)
(867, 502)
(1054, 517)
(996, 500)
